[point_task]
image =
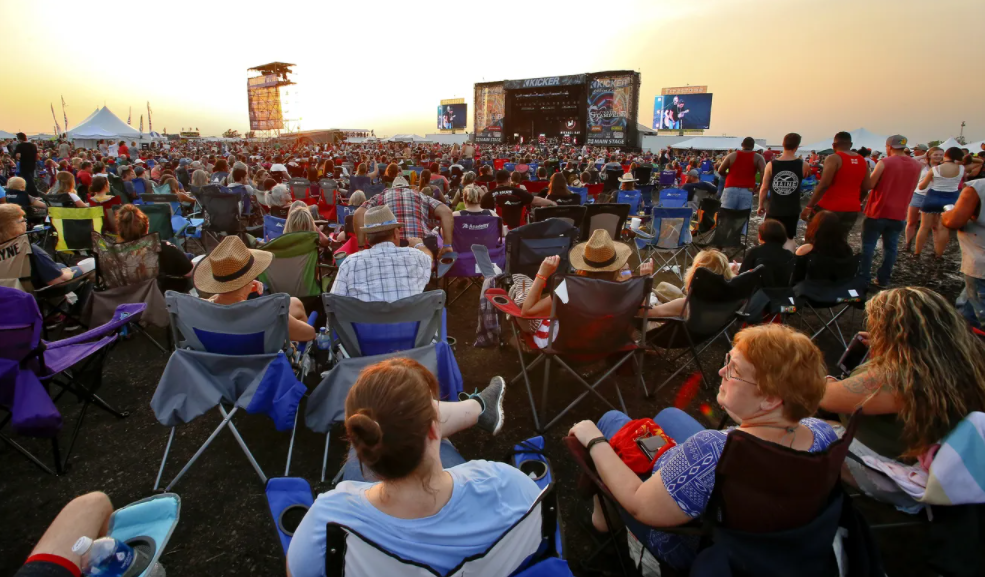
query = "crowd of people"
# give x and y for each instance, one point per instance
(405, 486)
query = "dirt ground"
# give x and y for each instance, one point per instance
(225, 526)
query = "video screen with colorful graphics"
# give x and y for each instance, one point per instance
(452, 116)
(490, 112)
(682, 112)
(610, 106)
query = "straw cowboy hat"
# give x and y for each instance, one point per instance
(379, 219)
(627, 178)
(599, 254)
(231, 266)
(400, 182)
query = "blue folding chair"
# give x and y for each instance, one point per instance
(580, 191)
(670, 232)
(146, 525)
(707, 177)
(672, 198)
(510, 166)
(273, 227)
(342, 211)
(630, 197)
(646, 194)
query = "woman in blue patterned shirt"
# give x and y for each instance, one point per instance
(772, 381)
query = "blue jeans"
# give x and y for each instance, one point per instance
(353, 471)
(889, 230)
(971, 301)
(678, 425)
(736, 198)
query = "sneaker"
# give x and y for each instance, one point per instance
(71, 326)
(491, 399)
(53, 321)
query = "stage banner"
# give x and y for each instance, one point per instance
(610, 109)
(546, 81)
(490, 112)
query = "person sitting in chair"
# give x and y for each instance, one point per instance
(386, 271)
(772, 382)
(44, 270)
(405, 487)
(299, 219)
(229, 274)
(174, 267)
(472, 197)
(672, 299)
(65, 184)
(823, 237)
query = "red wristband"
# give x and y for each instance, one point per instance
(55, 560)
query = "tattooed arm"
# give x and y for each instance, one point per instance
(865, 387)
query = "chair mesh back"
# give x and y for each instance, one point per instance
(713, 301)
(75, 226)
(367, 328)
(15, 263)
(829, 269)
(127, 263)
(777, 273)
(729, 226)
(222, 208)
(610, 217)
(573, 215)
(670, 225)
(587, 329)
(59, 199)
(762, 487)
(527, 246)
(257, 326)
(299, 187)
(612, 179)
(673, 198)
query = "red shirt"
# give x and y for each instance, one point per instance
(891, 197)
(844, 194)
(124, 150)
(742, 171)
(85, 177)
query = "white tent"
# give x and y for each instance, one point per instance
(951, 142)
(101, 125)
(5, 134)
(712, 143)
(976, 147)
(860, 137)
(407, 138)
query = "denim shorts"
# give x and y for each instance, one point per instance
(935, 201)
(736, 198)
(917, 199)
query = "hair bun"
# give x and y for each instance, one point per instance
(366, 437)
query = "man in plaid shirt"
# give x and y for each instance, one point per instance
(414, 211)
(386, 271)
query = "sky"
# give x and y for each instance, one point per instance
(892, 66)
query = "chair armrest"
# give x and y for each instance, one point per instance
(668, 319)
(504, 303)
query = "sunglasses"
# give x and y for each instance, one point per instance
(730, 375)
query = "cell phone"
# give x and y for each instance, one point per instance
(854, 355)
(651, 445)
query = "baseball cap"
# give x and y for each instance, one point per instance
(922, 147)
(694, 173)
(897, 141)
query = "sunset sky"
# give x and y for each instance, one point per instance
(906, 66)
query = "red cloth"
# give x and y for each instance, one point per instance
(742, 172)
(55, 560)
(845, 191)
(624, 444)
(891, 197)
(84, 177)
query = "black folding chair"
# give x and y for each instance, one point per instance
(830, 283)
(222, 217)
(713, 304)
(775, 297)
(60, 199)
(731, 231)
(571, 214)
(608, 216)
(611, 181)
(527, 246)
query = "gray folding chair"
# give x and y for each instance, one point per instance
(222, 355)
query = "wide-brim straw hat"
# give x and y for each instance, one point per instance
(627, 178)
(379, 219)
(599, 254)
(231, 266)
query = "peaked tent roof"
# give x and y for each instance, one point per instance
(713, 143)
(5, 134)
(102, 124)
(952, 142)
(860, 137)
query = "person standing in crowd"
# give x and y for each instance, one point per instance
(844, 183)
(64, 150)
(942, 184)
(968, 218)
(740, 169)
(26, 153)
(780, 191)
(926, 157)
(893, 181)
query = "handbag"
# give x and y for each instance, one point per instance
(624, 442)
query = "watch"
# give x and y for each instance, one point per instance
(594, 442)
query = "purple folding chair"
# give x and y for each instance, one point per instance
(30, 365)
(469, 230)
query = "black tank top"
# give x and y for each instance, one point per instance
(785, 187)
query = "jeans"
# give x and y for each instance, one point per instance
(889, 230)
(353, 470)
(737, 198)
(678, 425)
(971, 301)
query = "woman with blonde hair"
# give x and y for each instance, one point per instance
(200, 178)
(175, 187)
(933, 157)
(65, 184)
(925, 373)
(472, 196)
(299, 219)
(673, 298)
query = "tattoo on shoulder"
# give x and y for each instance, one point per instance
(865, 384)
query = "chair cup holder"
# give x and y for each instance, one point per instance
(534, 469)
(144, 549)
(290, 518)
(501, 300)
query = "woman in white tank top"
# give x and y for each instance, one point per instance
(934, 156)
(942, 185)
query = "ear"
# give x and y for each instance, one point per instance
(434, 432)
(770, 403)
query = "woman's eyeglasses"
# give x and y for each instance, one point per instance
(729, 371)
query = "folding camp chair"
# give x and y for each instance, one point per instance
(119, 189)
(630, 197)
(127, 273)
(328, 198)
(775, 298)
(29, 365)
(59, 200)
(581, 191)
(712, 305)
(773, 511)
(830, 283)
(512, 210)
(669, 232)
(594, 190)
(222, 213)
(611, 180)
(375, 328)
(233, 354)
(580, 331)
(301, 190)
(610, 217)
(273, 227)
(667, 178)
(571, 214)
(470, 230)
(535, 187)
(295, 268)
(672, 198)
(146, 525)
(528, 245)
(646, 196)
(707, 177)
(75, 227)
(642, 174)
(731, 231)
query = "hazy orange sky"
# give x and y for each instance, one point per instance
(813, 67)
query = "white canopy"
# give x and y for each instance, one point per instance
(976, 147)
(952, 142)
(5, 134)
(407, 138)
(713, 143)
(103, 124)
(860, 137)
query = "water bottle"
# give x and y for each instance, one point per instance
(105, 557)
(323, 342)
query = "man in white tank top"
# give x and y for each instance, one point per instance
(968, 218)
